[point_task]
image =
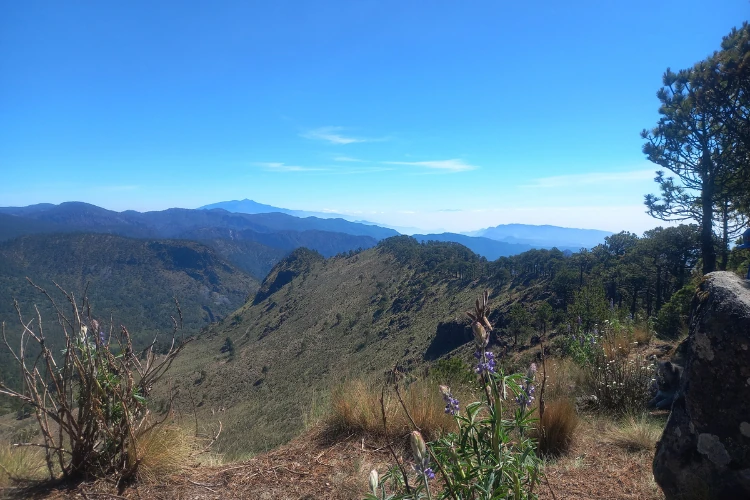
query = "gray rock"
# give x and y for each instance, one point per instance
(704, 451)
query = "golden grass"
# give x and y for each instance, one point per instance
(618, 345)
(564, 378)
(642, 335)
(164, 450)
(355, 407)
(634, 434)
(555, 430)
(622, 341)
(22, 462)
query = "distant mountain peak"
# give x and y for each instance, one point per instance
(245, 206)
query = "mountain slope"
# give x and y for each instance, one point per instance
(315, 322)
(133, 281)
(12, 226)
(252, 257)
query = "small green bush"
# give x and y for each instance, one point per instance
(671, 321)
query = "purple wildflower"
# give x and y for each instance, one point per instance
(451, 403)
(102, 338)
(423, 469)
(526, 396)
(486, 362)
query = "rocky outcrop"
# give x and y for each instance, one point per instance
(296, 263)
(704, 451)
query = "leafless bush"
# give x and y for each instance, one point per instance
(91, 400)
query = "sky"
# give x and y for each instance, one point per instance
(439, 115)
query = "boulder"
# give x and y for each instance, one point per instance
(704, 451)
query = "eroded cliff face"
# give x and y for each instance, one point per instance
(704, 451)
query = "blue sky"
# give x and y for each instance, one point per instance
(434, 114)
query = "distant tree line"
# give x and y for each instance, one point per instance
(637, 275)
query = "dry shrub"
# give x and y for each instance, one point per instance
(635, 434)
(355, 407)
(20, 462)
(556, 428)
(163, 451)
(620, 383)
(90, 399)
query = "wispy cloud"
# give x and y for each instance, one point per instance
(592, 178)
(454, 165)
(347, 159)
(128, 187)
(326, 170)
(283, 167)
(333, 135)
(364, 170)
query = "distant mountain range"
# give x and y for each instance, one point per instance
(253, 242)
(254, 236)
(489, 248)
(544, 236)
(524, 236)
(253, 207)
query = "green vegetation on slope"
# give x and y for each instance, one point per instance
(133, 282)
(317, 322)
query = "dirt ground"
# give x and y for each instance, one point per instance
(317, 466)
(595, 469)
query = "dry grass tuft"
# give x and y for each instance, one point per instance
(642, 335)
(20, 462)
(355, 407)
(617, 346)
(635, 434)
(163, 451)
(555, 430)
(564, 378)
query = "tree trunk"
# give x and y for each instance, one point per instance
(658, 288)
(724, 235)
(708, 251)
(681, 274)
